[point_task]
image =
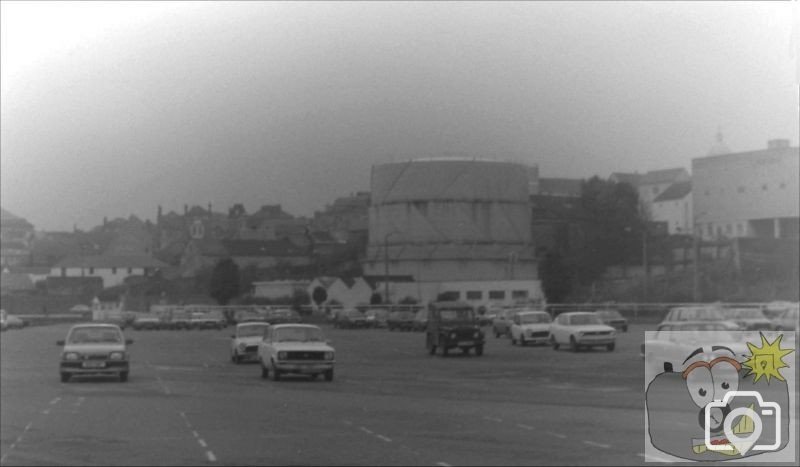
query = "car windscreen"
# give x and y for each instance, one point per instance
(699, 314)
(588, 318)
(250, 331)
(746, 313)
(534, 318)
(298, 334)
(94, 336)
(456, 315)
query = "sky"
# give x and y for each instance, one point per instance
(114, 108)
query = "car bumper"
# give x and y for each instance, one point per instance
(596, 340)
(304, 367)
(535, 340)
(109, 368)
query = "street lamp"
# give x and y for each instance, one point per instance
(386, 264)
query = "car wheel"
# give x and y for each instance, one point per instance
(572, 344)
(329, 375)
(496, 334)
(522, 341)
(513, 341)
(64, 377)
(553, 342)
(237, 359)
(264, 372)
(123, 377)
(465, 350)
(276, 376)
(432, 349)
(479, 350)
(624, 328)
(610, 347)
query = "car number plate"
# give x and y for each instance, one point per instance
(94, 364)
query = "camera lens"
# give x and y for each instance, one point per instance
(717, 417)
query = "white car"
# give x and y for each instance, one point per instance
(699, 313)
(94, 349)
(530, 327)
(244, 342)
(295, 348)
(581, 329)
(673, 343)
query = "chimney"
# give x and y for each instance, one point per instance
(777, 143)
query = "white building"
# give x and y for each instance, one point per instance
(748, 194)
(113, 270)
(476, 293)
(278, 289)
(348, 291)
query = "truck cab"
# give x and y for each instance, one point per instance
(453, 325)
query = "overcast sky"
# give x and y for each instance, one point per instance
(110, 109)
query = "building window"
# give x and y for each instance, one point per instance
(497, 295)
(113, 270)
(519, 294)
(740, 189)
(474, 295)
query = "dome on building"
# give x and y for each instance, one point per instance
(719, 147)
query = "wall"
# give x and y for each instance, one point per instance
(677, 213)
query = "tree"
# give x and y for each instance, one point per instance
(556, 277)
(319, 295)
(224, 283)
(376, 299)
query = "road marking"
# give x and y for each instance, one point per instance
(365, 430)
(492, 419)
(202, 443)
(650, 458)
(194, 433)
(55, 401)
(46, 411)
(443, 464)
(527, 427)
(348, 423)
(28, 426)
(388, 440)
(597, 445)
(557, 435)
(211, 456)
(19, 439)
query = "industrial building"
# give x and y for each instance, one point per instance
(748, 194)
(449, 224)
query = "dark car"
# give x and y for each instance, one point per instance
(453, 325)
(350, 319)
(613, 318)
(400, 320)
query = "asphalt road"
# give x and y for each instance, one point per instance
(390, 403)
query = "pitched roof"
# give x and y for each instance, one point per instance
(675, 191)
(663, 176)
(110, 261)
(281, 247)
(621, 177)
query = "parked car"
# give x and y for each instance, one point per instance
(501, 324)
(207, 320)
(614, 319)
(247, 316)
(400, 320)
(8, 321)
(788, 320)
(146, 321)
(420, 320)
(748, 319)
(376, 318)
(453, 325)
(350, 319)
(297, 349)
(673, 342)
(94, 349)
(581, 329)
(699, 313)
(530, 327)
(244, 341)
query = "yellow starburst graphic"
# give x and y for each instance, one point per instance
(767, 360)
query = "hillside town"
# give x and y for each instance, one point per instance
(735, 211)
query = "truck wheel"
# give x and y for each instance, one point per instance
(553, 342)
(479, 350)
(264, 371)
(610, 347)
(276, 376)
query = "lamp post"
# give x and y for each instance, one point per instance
(386, 265)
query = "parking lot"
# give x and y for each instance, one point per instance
(390, 403)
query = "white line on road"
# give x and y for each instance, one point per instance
(557, 435)
(597, 445)
(46, 411)
(443, 464)
(202, 443)
(492, 419)
(28, 426)
(348, 423)
(55, 401)
(527, 427)
(365, 430)
(650, 458)
(211, 456)
(194, 433)
(388, 440)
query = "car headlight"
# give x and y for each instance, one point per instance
(281, 355)
(528, 333)
(242, 346)
(328, 355)
(452, 335)
(116, 356)
(71, 356)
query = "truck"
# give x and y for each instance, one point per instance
(452, 325)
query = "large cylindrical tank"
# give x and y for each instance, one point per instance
(457, 211)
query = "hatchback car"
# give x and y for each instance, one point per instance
(788, 320)
(581, 329)
(501, 324)
(672, 343)
(244, 342)
(530, 327)
(614, 319)
(748, 319)
(699, 313)
(295, 349)
(94, 349)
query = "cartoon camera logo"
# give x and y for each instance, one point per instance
(729, 399)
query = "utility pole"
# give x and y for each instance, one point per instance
(644, 263)
(696, 275)
(386, 266)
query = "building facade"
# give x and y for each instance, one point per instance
(673, 207)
